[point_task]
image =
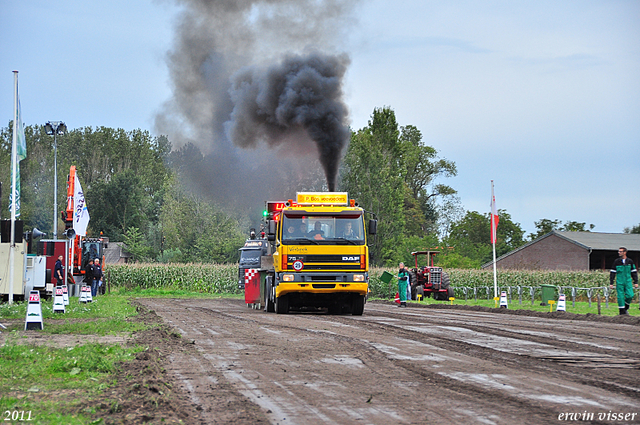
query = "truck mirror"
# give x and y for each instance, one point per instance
(373, 227)
(271, 234)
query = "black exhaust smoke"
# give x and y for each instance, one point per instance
(301, 97)
(252, 92)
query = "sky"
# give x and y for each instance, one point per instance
(542, 97)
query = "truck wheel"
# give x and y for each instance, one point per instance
(269, 307)
(282, 304)
(357, 306)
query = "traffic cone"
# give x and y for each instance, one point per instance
(58, 301)
(562, 303)
(503, 300)
(397, 300)
(34, 312)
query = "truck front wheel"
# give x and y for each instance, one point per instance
(282, 304)
(357, 306)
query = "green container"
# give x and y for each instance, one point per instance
(548, 293)
(386, 277)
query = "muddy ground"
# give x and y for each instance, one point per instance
(219, 362)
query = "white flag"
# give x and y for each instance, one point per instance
(80, 211)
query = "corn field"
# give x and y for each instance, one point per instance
(472, 278)
(222, 278)
(204, 278)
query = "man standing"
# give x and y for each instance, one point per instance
(58, 272)
(97, 277)
(403, 282)
(623, 272)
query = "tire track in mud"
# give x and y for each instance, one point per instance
(382, 368)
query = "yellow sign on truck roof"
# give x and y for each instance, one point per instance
(322, 198)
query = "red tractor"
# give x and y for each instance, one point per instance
(427, 280)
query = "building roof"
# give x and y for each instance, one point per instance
(587, 240)
(603, 241)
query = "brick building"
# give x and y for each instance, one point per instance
(570, 251)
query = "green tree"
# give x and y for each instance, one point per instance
(546, 225)
(633, 229)
(391, 172)
(117, 205)
(199, 231)
(471, 236)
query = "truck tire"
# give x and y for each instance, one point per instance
(269, 305)
(282, 304)
(357, 305)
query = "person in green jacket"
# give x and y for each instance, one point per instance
(403, 280)
(624, 272)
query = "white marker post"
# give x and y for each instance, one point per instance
(503, 300)
(34, 312)
(58, 301)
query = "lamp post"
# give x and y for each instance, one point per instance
(55, 128)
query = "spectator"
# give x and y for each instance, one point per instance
(97, 277)
(403, 280)
(58, 272)
(624, 272)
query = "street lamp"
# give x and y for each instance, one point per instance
(54, 128)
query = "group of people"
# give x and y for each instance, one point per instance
(93, 274)
(317, 232)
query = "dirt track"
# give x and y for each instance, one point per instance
(392, 365)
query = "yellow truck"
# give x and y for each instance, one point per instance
(319, 257)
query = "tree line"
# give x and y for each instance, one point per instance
(137, 191)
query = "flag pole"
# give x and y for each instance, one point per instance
(494, 231)
(14, 162)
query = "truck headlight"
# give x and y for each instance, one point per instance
(358, 278)
(287, 278)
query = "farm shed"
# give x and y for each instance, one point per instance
(570, 251)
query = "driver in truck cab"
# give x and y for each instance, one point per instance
(317, 232)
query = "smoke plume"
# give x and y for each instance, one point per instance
(257, 85)
(300, 93)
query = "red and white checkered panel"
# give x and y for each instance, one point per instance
(249, 275)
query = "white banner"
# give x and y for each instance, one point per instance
(80, 211)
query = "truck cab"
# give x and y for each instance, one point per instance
(321, 257)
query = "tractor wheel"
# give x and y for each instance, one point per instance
(357, 306)
(445, 280)
(282, 304)
(413, 277)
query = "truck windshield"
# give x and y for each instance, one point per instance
(250, 257)
(323, 229)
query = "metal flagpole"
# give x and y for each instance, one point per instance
(494, 237)
(14, 160)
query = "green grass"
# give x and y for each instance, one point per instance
(107, 315)
(46, 381)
